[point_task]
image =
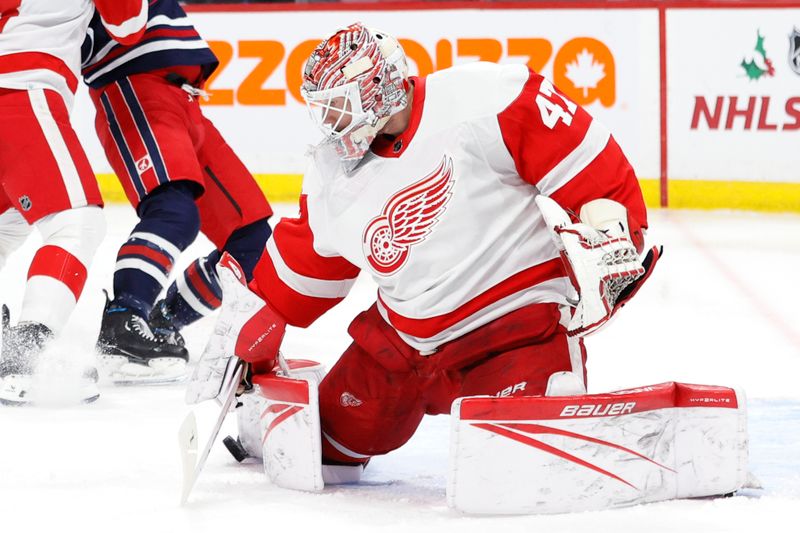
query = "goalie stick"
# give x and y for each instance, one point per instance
(187, 434)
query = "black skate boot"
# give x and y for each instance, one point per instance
(21, 347)
(131, 353)
(161, 322)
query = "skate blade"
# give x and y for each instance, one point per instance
(159, 371)
(20, 391)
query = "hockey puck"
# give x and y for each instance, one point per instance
(235, 447)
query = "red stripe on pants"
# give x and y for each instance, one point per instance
(133, 138)
(197, 280)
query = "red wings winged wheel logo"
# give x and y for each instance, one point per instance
(407, 219)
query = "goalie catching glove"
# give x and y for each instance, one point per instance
(602, 262)
(247, 328)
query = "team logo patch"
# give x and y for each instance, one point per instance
(25, 203)
(348, 400)
(144, 164)
(407, 219)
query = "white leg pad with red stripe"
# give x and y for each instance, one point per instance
(589, 452)
(290, 427)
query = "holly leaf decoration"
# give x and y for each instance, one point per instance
(585, 73)
(752, 70)
(760, 45)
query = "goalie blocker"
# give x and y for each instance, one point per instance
(531, 455)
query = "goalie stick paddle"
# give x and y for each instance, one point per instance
(187, 434)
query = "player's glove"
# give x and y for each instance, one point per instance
(247, 328)
(602, 263)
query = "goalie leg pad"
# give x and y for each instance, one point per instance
(290, 430)
(253, 404)
(590, 452)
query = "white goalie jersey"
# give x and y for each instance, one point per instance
(443, 217)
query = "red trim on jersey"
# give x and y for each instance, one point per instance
(118, 12)
(611, 176)
(22, 61)
(298, 309)
(295, 242)
(384, 145)
(535, 147)
(428, 327)
(57, 263)
(10, 10)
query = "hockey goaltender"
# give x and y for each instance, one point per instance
(501, 224)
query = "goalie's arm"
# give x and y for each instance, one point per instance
(295, 279)
(570, 157)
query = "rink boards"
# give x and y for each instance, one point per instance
(709, 119)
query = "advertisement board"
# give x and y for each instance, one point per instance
(603, 59)
(708, 113)
(734, 104)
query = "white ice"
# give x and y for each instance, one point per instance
(722, 308)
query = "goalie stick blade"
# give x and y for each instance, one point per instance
(187, 440)
(229, 396)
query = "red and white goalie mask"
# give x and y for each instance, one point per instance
(353, 82)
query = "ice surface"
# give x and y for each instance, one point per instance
(722, 308)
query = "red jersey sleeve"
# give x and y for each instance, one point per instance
(125, 20)
(559, 148)
(297, 281)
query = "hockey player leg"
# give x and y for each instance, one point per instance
(590, 452)
(55, 281)
(129, 349)
(196, 292)
(13, 230)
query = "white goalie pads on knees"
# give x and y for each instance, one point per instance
(530, 455)
(279, 422)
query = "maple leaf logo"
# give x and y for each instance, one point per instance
(585, 73)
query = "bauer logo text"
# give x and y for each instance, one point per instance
(598, 409)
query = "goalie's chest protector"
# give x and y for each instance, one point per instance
(439, 216)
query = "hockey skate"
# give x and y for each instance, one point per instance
(21, 349)
(161, 322)
(131, 353)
